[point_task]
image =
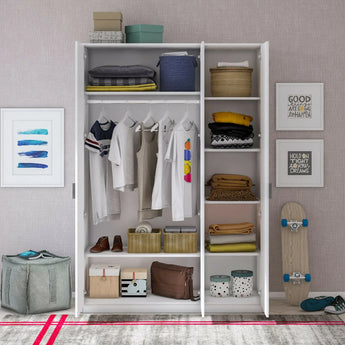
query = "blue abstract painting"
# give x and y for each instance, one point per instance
(32, 159)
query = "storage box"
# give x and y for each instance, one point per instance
(220, 286)
(180, 242)
(140, 242)
(107, 21)
(144, 33)
(104, 281)
(241, 284)
(133, 282)
(106, 37)
(231, 81)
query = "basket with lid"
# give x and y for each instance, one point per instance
(241, 284)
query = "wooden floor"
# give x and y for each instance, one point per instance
(278, 306)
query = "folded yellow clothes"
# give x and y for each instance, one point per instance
(233, 185)
(231, 229)
(230, 181)
(142, 87)
(229, 117)
(231, 247)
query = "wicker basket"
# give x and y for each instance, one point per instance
(139, 242)
(185, 242)
(231, 81)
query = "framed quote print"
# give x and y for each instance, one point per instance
(299, 163)
(299, 107)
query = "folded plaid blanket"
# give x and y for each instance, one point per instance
(237, 238)
(231, 195)
(119, 81)
(231, 247)
(228, 229)
(225, 141)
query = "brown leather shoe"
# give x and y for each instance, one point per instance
(101, 245)
(117, 245)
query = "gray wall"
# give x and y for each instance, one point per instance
(307, 45)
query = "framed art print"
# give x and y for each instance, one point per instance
(299, 163)
(32, 147)
(299, 107)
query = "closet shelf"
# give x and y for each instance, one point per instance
(211, 150)
(208, 202)
(125, 254)
(232, 98)
(257, 253)
(142, 93)
(142, 45)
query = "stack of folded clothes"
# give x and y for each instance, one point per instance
(231, 130)
(231, 238)
(230, 187)
(122, 78)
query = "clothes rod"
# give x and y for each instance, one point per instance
(118, 101)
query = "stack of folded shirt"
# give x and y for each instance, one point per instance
(230, 187)
(231, 238)
(122, 78)
(231, 130)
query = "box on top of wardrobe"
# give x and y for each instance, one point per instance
(107, 21)
(144, 33)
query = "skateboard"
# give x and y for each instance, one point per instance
(295, 259)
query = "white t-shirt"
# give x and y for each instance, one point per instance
(183, 153)
(105, 200)
(123, 148)
(161, 194)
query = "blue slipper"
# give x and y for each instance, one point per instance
(317, 303)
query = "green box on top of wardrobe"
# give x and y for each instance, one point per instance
(144, 33)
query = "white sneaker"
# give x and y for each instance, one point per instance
(337, 307)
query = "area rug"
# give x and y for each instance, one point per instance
(171, 329)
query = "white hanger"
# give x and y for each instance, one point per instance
(148, 121)
(128, 119)
(165, 117)
(102, 119)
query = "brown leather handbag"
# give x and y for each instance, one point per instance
(172, 281)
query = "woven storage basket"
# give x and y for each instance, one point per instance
(185, 242)
(139, 242)
(231, 81)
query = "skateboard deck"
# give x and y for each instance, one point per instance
(296, 276)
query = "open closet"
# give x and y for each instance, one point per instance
(176, 108)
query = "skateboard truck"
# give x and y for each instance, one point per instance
(296, 277)
(294, 225)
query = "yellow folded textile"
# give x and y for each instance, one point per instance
(230, 182)
(142, 87)
(231, 247)
(234, 185)
(231, 229)
(229, 117)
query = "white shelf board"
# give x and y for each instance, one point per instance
(125, 254)
(257, 253)
(212, 150)
(244, 46)
(232, 98)
(208, 202)
(142, 45)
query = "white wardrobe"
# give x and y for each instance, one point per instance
(253, 162)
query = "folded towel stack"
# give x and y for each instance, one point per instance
(122, 78)
(231, 130)
(231, 187)
(237, 237)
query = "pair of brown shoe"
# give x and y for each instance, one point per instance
(103, 244)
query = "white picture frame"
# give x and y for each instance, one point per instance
(299, 106)
(32, 147)
(299, 163)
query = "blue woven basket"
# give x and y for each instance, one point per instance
(177, 73)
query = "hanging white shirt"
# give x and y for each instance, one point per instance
(105, 200)
(161, 194)
(183, 153)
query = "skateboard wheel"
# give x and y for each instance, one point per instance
(284, 222)
(305, 223)
(307, 277)
(286, 277)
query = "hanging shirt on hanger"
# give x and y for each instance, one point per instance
(123, 149)
(105, 200)
(183, 154)
(147, 161)
(161, 194)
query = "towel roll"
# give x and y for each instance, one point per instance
(144, 227)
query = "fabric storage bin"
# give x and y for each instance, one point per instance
(36, 286)
(107, 21)
(175, 242)
(106, 36)
(241, 284)
(104, 281)
(220, 286)
(231, 81)
(133, 282)
(140, 242)
(144, 33)
(177, 73)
